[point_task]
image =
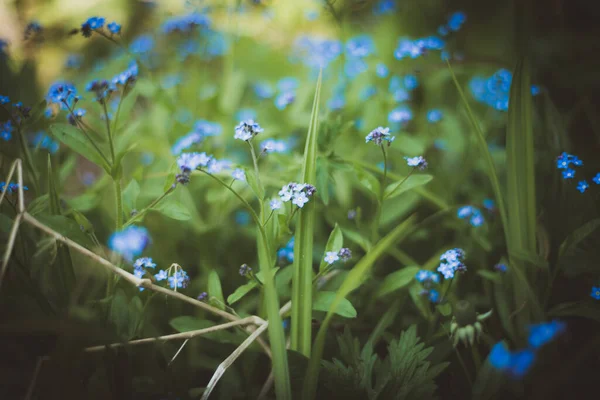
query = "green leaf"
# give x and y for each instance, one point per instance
(66, 227)
(323, 301)
(578, 236)
(397, 280)
(135, 316)
(38, 205)
(444, 309)
(420, 302)
(173, 171)
(302, 286)
(241, 292)
(406, 184)
(76, 140)
(174, 210)
(354, 279)
(334, 243)
(574, 309)
(215, 290)
(119, 313)
(130, 196)
(253, 183)
(359, 239)
(490, 276)
(367, 180)
(322, 180)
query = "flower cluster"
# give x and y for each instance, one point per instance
(6, 130)
(43, 141)
(417, 162)
(358, 49)
(130, 242)
(140, 265)
(287, 253)
(246, 130)
(187, 162)
(428, 279)
(11, 187)
(474, 215)
(379, 135)
(518, 363)
(245, 270)
(298, 193)
(418, 47)
(452, 262)
(96, 24)
(494, 91)
(455, 22)
(565, 162)
(344, 254)
(176, 277)
(185, 23)
(316, 52)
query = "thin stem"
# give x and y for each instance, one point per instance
(114, 128)
(268, 218)
(80, 125)
(110, 138)
(118, 204)
(244, 202)
(149, 207)
(376, 220)
(403, 180)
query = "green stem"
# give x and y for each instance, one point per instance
(110, 138)
(114, 128)
(80, 125)
(403, 180)
(119, 204)
(256, 173)
(149, 207)
(376, 220)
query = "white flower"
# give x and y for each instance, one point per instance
(331, 257)
(300, 199)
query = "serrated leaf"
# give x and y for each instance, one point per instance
(174, 210)
(334, 243)
(406, 184)
(397, 280)
(215, 290)
(324, 300)
(76, 141)
(130, 196)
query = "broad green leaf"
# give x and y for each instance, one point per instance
(76, 140)
(397, 280)
(444, 309)
(323, 301)
(85, 202)
(253, 183)
(135, 316)
(334, 243)
(302, 286)
(215, 290)
(406, 184)
(174, 210)
(122, 153)
(84, 223)
(367, 180)
(119, 313)
(322, 180)
(359, 239)
(241, 292)
(130, 195)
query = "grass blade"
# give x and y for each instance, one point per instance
(352, 281)
(301, 329)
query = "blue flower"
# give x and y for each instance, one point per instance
(284, 99)
(275, 204)
(114, 28)
(382, 70)
(452, 262)
(73, 61)
(501, 267)
(6, 130)
(188, 162)
(568, 173)
(63, 94)
(263, 90)
(315, 52)
(298, 193)
(434, 116)
(427, 277)
(596, 179)
(400, 115)
(337, 102)
(456, 20)
(246, 130)
(43, 141)
(144, 262)
(185, 142)
(274, 146)
(4, 100)
(379, 135)
(360, 46)
(434, 296)
(288, 83)
(129, 242)
(500, 356)
(331, 257)
(242, 218)
(367, 93)
(142, 44)
(77, 114)
(207, 128)
(245, 113)
(127, 77)
(595, 292)
(542, 333)
(239, 175)
(91, 25)
(582, 186)
(178, 280)
(416, 162)
(411, 82)
(161, 276)
(384, 7)
(521, 362)
(11, 188)
(185, 23)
